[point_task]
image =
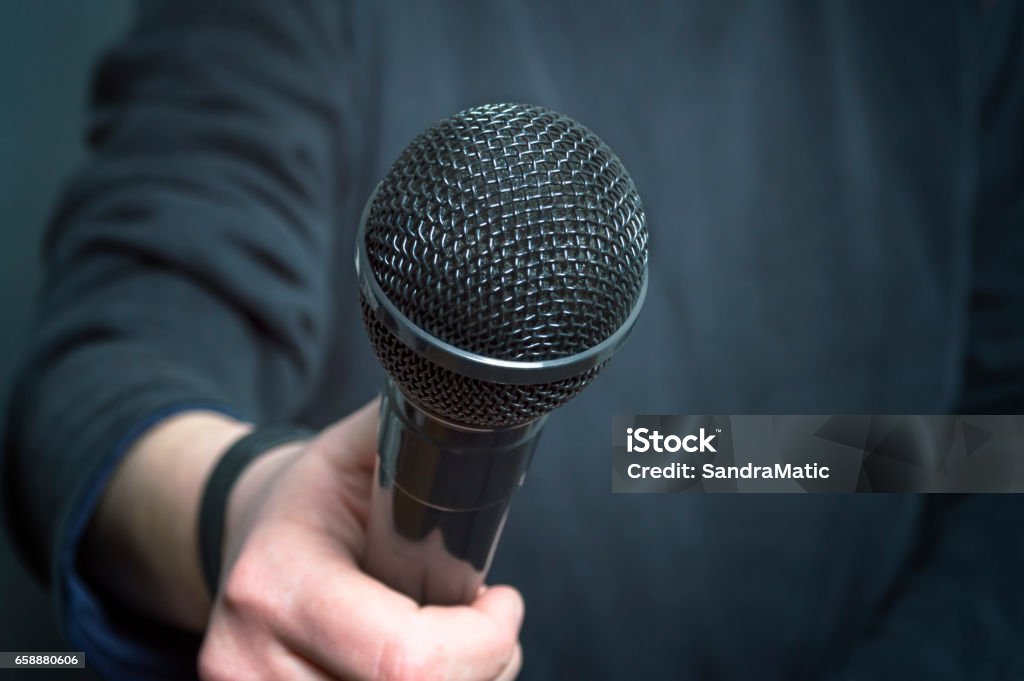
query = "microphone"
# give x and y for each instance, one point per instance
(501, 261)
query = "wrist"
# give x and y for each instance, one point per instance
(251, 487)
(221, 485)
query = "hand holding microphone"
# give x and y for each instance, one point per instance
(294, 604)
(502, 261)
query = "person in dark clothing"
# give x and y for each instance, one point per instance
(835, 199)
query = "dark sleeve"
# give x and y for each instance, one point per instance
(188, 260)
(960, 615)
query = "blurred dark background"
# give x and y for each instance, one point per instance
(48, 50)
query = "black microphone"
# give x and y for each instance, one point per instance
(501, 261)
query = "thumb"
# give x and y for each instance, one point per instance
(352, 441)
(503, 605)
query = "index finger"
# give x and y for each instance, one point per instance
(359, 628)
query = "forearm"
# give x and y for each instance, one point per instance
(187, 265)
(140, 547)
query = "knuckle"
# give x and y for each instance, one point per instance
(248, 587)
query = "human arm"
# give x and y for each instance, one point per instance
(140, 546)
(294, 603)
(187, 276)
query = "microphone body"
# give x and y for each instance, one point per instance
(501, 262)
(440, 497)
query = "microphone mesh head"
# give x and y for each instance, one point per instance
(512, 232)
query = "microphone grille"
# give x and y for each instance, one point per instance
(509, 231)
(463, 399)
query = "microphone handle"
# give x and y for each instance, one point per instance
(440, 496)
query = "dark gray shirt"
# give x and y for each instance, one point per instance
(835, 198)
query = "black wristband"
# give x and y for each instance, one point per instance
(218, 487)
